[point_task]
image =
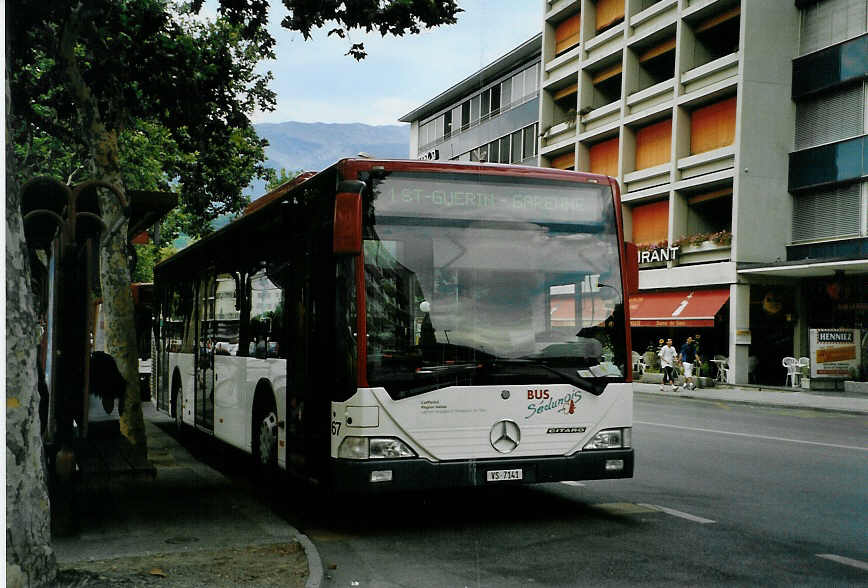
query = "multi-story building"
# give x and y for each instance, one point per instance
(737, 132)
(489, 116)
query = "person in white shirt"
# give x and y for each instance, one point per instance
(667, 355)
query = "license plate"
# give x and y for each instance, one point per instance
(503, 475)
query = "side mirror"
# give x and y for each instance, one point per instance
(631, 268)
(348, 219)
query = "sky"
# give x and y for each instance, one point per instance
(316, 82)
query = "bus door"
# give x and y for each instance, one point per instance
(205, 348)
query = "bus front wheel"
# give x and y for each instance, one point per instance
(265, 443)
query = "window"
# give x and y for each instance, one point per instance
(495, 100)
(506, 94)
(567, 34)
(712, 126)
(518, 86)
(516, 147)
(485, 104)
(266, 317)
(447, 124)
(604, 158)
(653, 144)
(531, 80)
(651, 222)
(831, 21)
(457, 121)
(827, 214)
(438, 128)
(465, 115)
(504, 149)
(474, 110)
(493, 151)
(530, 141)
(564, 161)
(423, 135)
(830, 117)
(609, 14)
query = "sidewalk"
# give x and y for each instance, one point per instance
(190, 526)
(767, 396)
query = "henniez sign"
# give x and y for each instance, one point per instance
(659, 254)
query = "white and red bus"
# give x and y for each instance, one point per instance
(405, 324)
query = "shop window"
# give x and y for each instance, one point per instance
(567, 34)
(712, 126)
(493, 152)
(651, 223)
(716, 36)
(653, 144)
(609, 14)
(564, 161)
(604, 158)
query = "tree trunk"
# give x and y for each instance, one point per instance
(117, 299)
(120, 326)
(29, 557)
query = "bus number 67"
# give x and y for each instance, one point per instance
(336, 427)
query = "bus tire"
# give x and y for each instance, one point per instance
(265, 438)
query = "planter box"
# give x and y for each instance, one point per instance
(856, 387)
(704, 246)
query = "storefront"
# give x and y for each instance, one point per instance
(677, 314)
(820, 313)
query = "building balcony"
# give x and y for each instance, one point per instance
(711, 73)
(707, 162)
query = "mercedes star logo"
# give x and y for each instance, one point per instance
(505, 436)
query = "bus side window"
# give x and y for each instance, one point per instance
(227, 316)
(266, 317)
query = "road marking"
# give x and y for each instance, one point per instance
(678, 513)
(844, 560)
(572, 483)
(753, 436)
(623, 508)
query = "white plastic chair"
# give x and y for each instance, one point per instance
(804, 362)
(638, 365)
(792, 372)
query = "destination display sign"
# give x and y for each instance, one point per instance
(444, 197)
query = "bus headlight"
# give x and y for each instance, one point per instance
(389, 448)
(374, 448)
(611, 439)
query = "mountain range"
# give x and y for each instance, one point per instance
(315, 146)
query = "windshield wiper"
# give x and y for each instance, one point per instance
(574, 379)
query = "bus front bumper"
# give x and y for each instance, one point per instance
(417, 474)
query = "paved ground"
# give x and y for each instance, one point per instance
(192, 527)
(188, 527)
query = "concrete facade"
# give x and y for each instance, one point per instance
(612, 70)
(489, 116)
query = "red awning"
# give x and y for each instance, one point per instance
(680, 308)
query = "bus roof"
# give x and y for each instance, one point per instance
(350, 168)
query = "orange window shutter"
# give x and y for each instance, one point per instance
(604, 158)
(564, 161)
(651, 223)
(712, 126)
(609, 12)
(567, 34)
(653, 144)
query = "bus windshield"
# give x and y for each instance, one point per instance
(475, 280)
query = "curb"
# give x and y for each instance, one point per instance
(315, 571)
(853, 411)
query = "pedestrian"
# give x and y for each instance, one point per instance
(688, 358)
(667, 361)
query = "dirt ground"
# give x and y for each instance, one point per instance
(278, 564)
